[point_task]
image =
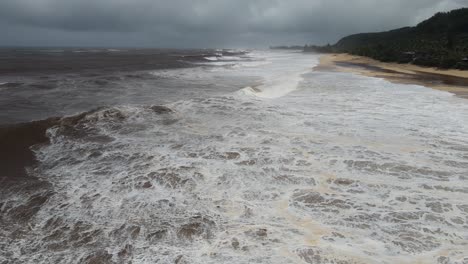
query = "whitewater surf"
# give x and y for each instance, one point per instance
(252, 159)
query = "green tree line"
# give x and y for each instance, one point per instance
(441, 41)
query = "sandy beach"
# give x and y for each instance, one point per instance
(454, 81)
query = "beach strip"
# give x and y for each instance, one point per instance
(453, 81)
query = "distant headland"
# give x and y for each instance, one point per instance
(441, 41)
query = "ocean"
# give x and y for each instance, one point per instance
(225, 156)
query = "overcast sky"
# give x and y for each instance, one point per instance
(203, 23)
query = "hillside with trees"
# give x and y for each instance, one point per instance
(441, 41)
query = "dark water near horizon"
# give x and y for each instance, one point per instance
(40, 83)
(224, 156)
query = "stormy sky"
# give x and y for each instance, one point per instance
(203, 23)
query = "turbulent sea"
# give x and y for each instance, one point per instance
(223, 156)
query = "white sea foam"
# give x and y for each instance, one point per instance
(231, 58)
(253, 63)
(211, 58)
(282, 73)
(222, 60)
(309, 168)
(277, 86)
(219, 63)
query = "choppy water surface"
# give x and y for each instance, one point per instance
(300, 167)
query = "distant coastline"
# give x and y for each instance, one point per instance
(440, 42)
(294, 47)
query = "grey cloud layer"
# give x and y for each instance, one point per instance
(208, 22)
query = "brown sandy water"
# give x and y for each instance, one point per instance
(333, 168)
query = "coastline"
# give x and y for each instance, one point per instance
(453, 81)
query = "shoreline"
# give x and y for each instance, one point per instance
(453, 81)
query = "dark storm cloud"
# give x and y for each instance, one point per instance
(204, 22)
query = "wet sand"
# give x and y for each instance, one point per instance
(453, 81)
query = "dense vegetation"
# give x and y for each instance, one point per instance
(441, 41)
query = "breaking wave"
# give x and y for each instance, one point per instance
(310, 167)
